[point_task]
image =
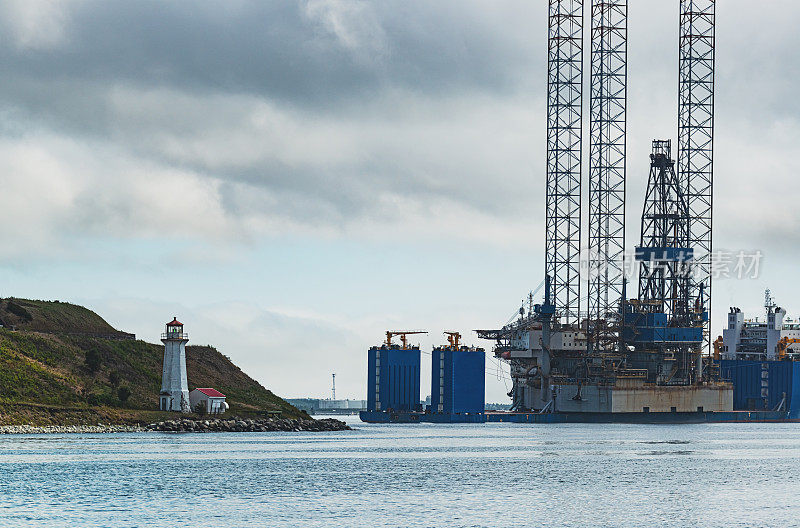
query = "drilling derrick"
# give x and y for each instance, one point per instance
(607, 146)
(564, 141)
(664, 254)
(665, 324)
(696, 133)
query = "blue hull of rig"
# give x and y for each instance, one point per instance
(643, 418)
(764, 385)
(764, 391)
(561, 418)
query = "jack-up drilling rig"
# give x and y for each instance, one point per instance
(623, 355)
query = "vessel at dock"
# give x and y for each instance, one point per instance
(761, 358)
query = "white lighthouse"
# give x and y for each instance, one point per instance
(174, 394)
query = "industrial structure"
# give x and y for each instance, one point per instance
(767, 340)
(564, 154)
(457, 382)
(458, 379)
(607, 149)
(393, 375)
(316, 406)
(640, 352)
(696, 137)
(762, 359)
(623, 355)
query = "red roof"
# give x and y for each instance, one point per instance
(174, 322)
(214, 393)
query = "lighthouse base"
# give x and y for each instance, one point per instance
(177, 401)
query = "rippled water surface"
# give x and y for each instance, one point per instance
(491, 475)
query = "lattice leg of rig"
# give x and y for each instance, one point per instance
(696, 134)
(564, 141)
(607, 156)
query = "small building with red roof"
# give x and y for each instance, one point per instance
(209, 400)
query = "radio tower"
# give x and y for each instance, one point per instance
(696, 134)
(564, 127)
(607, 156)
(333, 387)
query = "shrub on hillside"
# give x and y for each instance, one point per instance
(123, 393)
(19, 311)
(101, 398)
(93, 360)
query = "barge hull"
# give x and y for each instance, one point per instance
(557, 418)
(420, 417)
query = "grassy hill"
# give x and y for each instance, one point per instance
(52, 317)
(62, 363)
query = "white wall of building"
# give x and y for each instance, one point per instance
(213, 404)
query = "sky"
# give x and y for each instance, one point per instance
(292, 179)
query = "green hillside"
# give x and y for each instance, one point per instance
(52, 316)
(60, 360)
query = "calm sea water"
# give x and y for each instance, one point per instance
(492, 475)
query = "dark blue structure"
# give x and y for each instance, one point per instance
(458, 380)
(764, 385)
(641, 418)
(420, 417)
(393, 379)
(653, 328)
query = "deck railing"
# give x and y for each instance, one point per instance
(175, 335)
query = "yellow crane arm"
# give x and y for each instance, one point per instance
(403, 336)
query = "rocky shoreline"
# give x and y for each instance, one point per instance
(188, 425)
(247, 425)
(60, 429)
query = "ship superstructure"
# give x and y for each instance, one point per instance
(762, 360)
(774, 337)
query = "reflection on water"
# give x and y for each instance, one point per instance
(412, 475)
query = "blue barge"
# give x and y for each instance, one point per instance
(420, 417)
(393, 383)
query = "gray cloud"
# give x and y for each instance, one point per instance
(328, 115)
(315, 52)
(318, 113)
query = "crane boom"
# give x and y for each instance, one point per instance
(403, 336)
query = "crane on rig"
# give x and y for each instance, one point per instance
(454, 338)
(403, 336)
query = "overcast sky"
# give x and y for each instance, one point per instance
(291, 179)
